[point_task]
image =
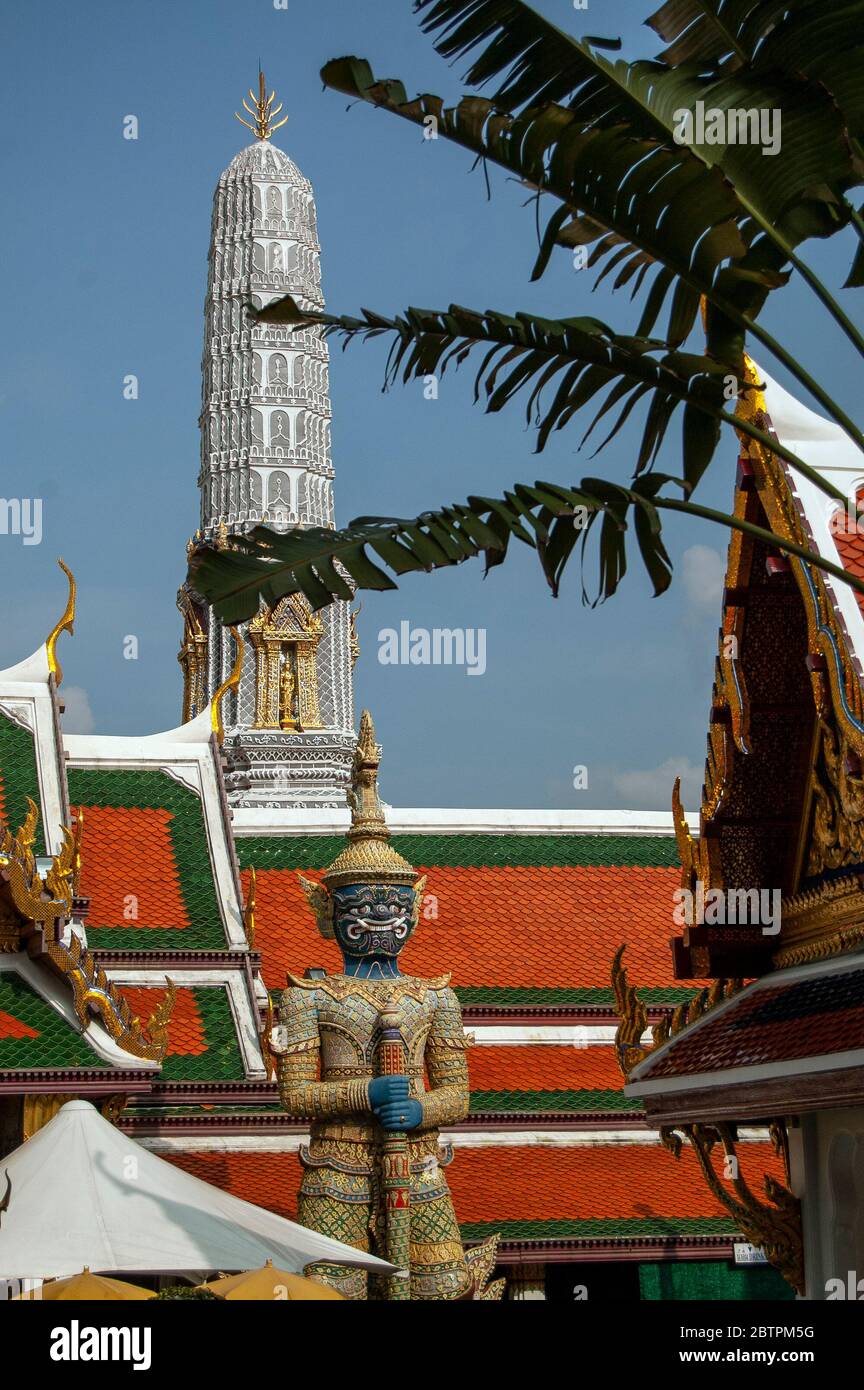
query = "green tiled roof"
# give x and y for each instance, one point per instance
(56, 1044)
(222, 1060)
(600, 1228)
(19, 777)
(559, 1102)
(189, 865)
(471, 851)
(493, 996)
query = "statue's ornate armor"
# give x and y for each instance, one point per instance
(327, 1058)
(376, 1061)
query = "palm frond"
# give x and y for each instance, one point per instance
(551, 519)
(560, 365)
(707, 239)
(709, 32)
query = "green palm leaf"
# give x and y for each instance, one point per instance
(549, 518)
(574, 360)
(659, 198)
(708, 31)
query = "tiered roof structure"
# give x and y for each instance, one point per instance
(782, 813)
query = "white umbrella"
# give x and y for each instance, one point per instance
(83, 1193)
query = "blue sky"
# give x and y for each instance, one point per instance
(104, 245)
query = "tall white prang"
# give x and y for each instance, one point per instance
(266, 460)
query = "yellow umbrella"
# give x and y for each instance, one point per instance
(269, 1285)
(88, 1288)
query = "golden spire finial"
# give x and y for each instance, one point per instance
(66, 624)
(262, 111)
(369, 857)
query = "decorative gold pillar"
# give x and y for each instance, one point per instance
(192, 658)
(307, 685)
(38, 1110)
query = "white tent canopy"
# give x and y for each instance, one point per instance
(83, 1193)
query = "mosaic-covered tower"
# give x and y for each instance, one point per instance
(265, 459)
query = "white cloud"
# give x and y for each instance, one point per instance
(78, 718)
(651, 790)
(702, 574)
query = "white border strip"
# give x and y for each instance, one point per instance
(463, 1139)
(417, 821)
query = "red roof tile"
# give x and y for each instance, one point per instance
(14, 1028)
(584, 1189)
(579, 1182)
(186, 1034)
(507, 926)
(849, 539)
(544, 1068)
(128, 869)
(784, 1022)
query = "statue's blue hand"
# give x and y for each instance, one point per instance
(401, 1115)
(387, 1090)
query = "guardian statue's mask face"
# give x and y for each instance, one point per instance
(373, 919)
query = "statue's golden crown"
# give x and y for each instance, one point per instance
(369, 856)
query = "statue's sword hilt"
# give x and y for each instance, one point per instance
(395, 1165)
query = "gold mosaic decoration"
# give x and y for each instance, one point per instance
(285, 641)
(776, 1228)
(193, 656)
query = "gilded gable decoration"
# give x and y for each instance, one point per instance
(35, 915)
(774, 1227)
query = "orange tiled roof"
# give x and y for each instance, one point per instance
(128, 869)
(521, 926)
(544, 1068)
(533, 1192)
(202, 1036)
(790, 1021)
(146, 864)
(11, 1027)
(849, 540)
(186, 1034)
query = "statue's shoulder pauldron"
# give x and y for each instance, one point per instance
(296, 982)
(439, 982)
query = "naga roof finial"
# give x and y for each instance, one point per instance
(66, 624)
(262, 111)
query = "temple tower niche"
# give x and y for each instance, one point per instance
(266, 459)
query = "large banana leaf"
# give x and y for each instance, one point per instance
(553, 520)
(718, 224)
(658, 198)
(561, 365)
(711, 31)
